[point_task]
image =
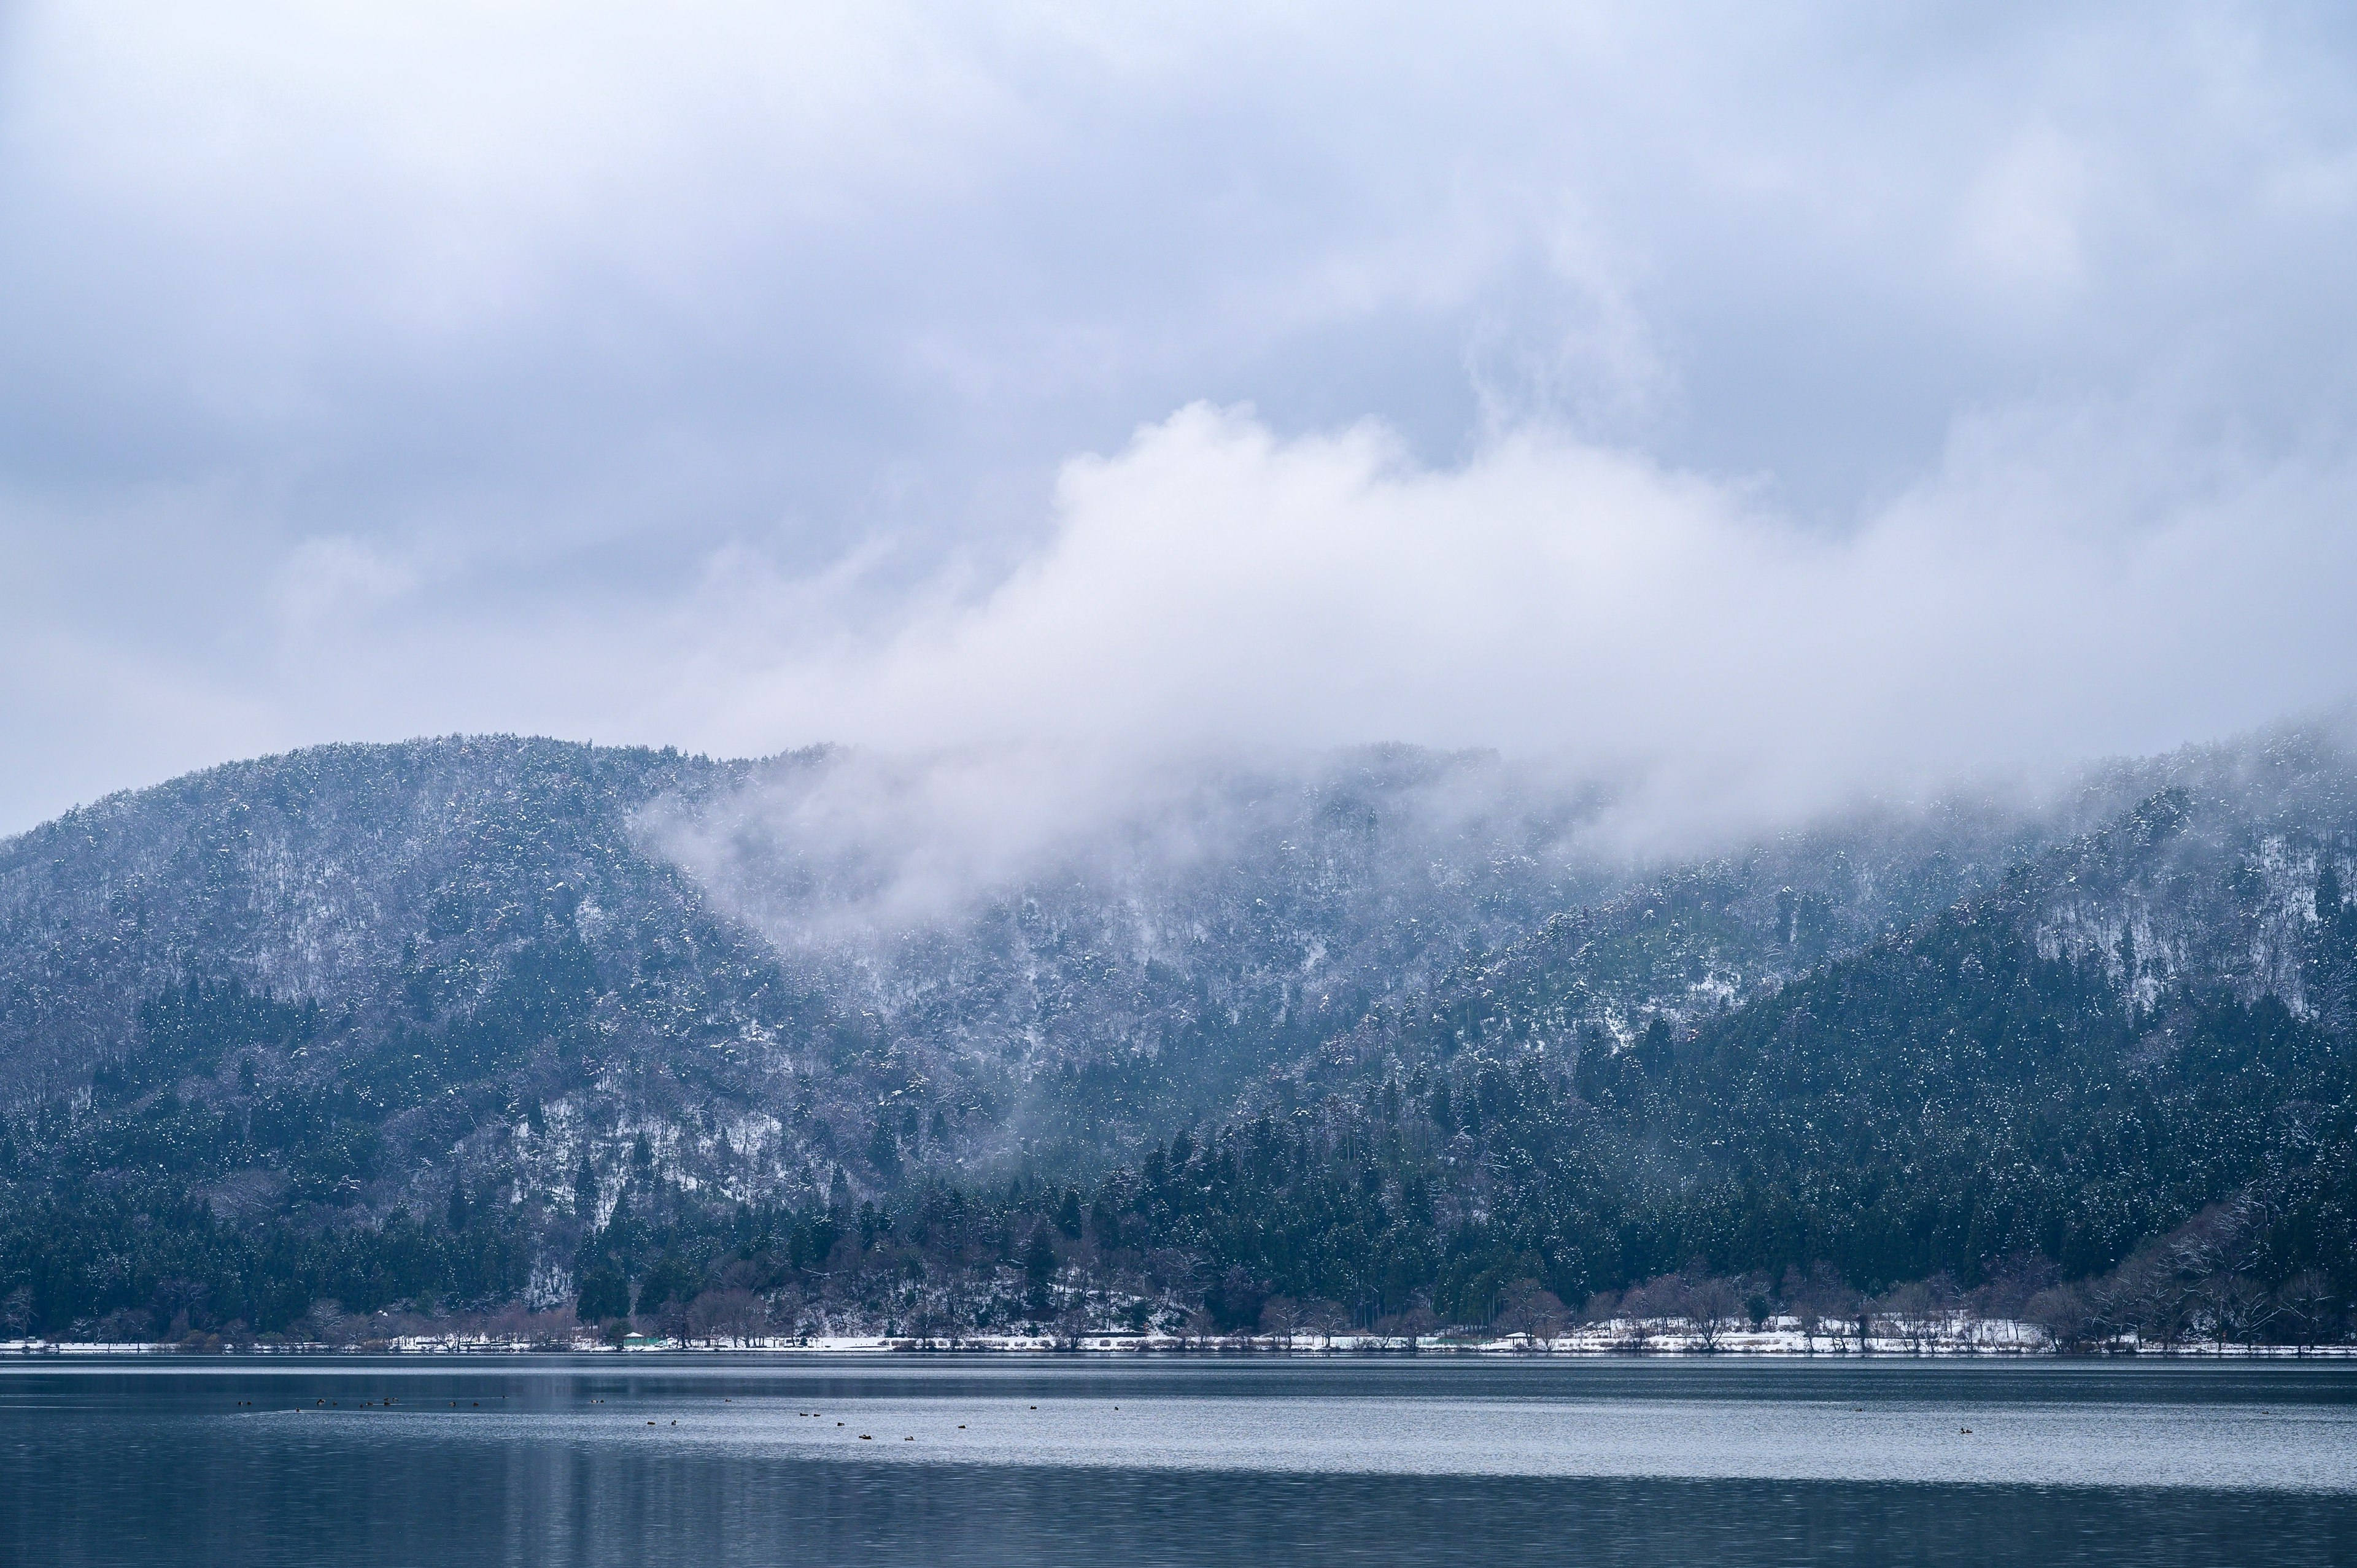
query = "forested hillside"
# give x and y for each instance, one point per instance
(456, 1024)
(333, 993)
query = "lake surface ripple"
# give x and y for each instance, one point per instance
(602, 1460)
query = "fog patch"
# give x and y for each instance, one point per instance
(836, 846)
(2069, 585)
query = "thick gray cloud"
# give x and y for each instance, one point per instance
(1786, 400)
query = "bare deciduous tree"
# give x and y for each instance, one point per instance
(1912, 1313)
(2309, 1308)
(1282, 1316)
(1534, 1311)
(1326, 1319)
(2068, 1318)
(2231, 1308)
(1712, 1307)
(1410, 1326)
(734, 1314)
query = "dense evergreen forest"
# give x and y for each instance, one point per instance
(2008, 1104)
(1952, 1107)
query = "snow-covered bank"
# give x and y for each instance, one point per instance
(1778, 1338)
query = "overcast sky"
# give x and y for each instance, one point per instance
(1787, 399)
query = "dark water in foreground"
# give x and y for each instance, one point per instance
(1173, 1461)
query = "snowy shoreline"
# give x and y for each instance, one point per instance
(1980, 1340)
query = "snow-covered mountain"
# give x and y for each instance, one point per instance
(356, 983)
(534, 958)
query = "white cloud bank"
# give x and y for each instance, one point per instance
(1780, 402)
(2064, 586)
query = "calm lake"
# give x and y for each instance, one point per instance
(1182, 1461)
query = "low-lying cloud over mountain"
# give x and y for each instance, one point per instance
(2059, 589)
(1764, 406)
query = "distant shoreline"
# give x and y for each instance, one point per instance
(2014, 1342)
